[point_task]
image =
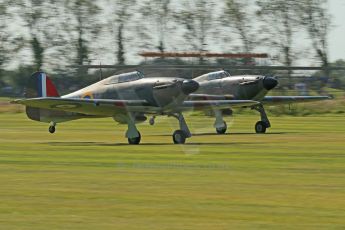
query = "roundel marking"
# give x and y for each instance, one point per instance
(66, 106)
(87, 95)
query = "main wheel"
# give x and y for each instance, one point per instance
(223, 129)
(179, 137)
(152, 121)
(134, 140)
(52, 129)
(260, 127)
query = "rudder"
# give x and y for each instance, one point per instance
(40, 85)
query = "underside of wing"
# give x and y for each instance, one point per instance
(216, 104)
(279, 100)
(200, 97)
(101, 107)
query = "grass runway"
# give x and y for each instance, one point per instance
(85, 176)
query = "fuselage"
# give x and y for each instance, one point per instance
(160, 92)
(243, 87)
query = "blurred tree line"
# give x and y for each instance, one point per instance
(50, 35)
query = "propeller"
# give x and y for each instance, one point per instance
(270, 82)
(189, 86)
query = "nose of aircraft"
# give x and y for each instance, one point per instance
(270, 82)
(189, 86)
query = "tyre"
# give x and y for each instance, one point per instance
(179, 137)
(222, 130)
(134, 140)
(152, 121)
(260, 127)
(52, 129)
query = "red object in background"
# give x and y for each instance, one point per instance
(203, 54)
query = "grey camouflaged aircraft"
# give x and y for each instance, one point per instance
(220, 85)
(127, 98)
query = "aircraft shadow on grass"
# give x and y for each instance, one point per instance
(232, 134)
(86, 143)
(147, 144)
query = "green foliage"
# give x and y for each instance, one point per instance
(83, 15)
(10, 42)
(237, 16)
(38, 51)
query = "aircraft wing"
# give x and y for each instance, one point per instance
(279, 100)
(101, 107)
(201, 97)
(216, 104)
(107, 107)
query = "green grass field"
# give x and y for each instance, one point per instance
(86, 176)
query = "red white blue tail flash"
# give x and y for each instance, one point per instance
(46, 87)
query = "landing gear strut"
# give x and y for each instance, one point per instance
(132, 134)
(220, 124)
(261, 126)
(52, 127)
(180, 136)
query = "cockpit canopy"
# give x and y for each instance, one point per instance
(213, 76)
(125, 77)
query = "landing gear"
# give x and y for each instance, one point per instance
(134, 137)
(52, 127)
(179, 137)
(222, 130)
(220, 124)
(261, 126)
(132, 134)
(152, 120)
(134, 140)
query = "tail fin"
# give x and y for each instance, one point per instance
(40, 85)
